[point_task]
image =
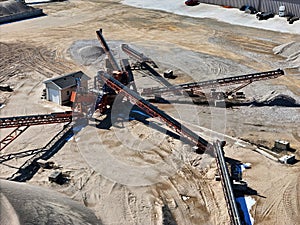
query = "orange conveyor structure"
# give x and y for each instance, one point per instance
(22, 123)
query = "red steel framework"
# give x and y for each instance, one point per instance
(22, 123)
(12, 136)
(135, 98)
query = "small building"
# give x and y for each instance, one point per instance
(169, 74)
(59, 89)
(287, 159)
(282, 145)
(56, 176)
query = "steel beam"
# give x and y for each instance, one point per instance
(12, 136)
(20, 121)
(107, 51)
(242, 79)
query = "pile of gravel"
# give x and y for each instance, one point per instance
(11, 7)
(11, 11)
(87, 52)
(90, 54)
(290, 51)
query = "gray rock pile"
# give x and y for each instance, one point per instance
(11, 7)
(290, 51)
(87, 52)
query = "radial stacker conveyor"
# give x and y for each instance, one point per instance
(244, 80)
(195, 87)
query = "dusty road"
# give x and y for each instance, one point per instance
(197, 49)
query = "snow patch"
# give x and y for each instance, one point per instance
(232, 15)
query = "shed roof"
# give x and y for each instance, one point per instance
(67, 80)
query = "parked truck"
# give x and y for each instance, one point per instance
(281, 11)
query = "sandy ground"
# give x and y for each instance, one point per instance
(152, 178)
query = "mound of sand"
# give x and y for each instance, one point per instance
(25, 204)
(11, 7)
(290, 51)
(276, 99)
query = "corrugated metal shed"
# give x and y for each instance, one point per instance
(292, 6)
(59, 89)
(67, 80)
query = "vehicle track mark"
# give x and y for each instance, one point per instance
(18, 59)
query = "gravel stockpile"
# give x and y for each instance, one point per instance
(11, 7)
(12, 11)
(87, 52)
(290, 51)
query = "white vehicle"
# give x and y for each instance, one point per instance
(281, 11)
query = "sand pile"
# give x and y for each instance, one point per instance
(12, 7)
(290, 51)
(26, 204)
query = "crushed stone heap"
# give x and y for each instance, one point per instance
(12, 10)
(290, 51)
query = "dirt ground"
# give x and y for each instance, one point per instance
(133, 173)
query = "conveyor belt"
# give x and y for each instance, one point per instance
(12, 136)
(242, 79)
(27, 170)
(156, 75)
(18, 121)
(135, 54)
(145, 64)
(22, 123)
(226, 184)
(140, 57)
(201, 143)
(107, 51)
